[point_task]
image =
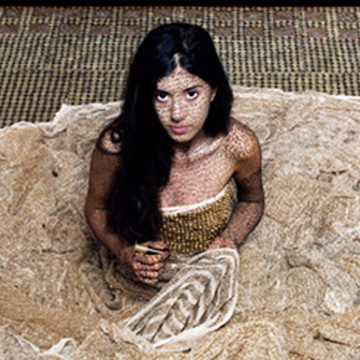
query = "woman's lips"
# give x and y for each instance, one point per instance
(179, 129)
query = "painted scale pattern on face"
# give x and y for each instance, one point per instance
(182, 102)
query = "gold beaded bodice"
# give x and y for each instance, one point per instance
(188, 229)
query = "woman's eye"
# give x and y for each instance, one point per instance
(161, 96)
(191, 94)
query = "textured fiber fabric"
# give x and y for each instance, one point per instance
(75, 55)
(61, 295)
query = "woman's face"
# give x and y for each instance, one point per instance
(182, 102)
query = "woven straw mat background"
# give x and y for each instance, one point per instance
(76, 55)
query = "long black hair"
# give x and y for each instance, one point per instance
(146, 148)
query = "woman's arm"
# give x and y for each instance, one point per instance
(104, 164)
(249, 209)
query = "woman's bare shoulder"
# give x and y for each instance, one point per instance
(109, 140)
(105, 161)
(241, 140)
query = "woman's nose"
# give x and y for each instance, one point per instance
(177, 111)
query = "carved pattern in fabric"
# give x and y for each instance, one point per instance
(200, 298)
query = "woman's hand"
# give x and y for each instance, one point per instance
(147, 267)
(220, 242)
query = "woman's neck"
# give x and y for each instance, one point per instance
(202, 145)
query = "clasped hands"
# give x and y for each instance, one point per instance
(147, 267)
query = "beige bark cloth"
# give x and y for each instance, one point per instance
(298, 279)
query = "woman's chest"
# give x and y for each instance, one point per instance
(191, 182)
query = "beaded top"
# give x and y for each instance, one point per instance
(188, 229)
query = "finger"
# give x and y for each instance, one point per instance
(214, 248)
(145, 274)
(158, 245)
(151, 259)
(149, 281)
(154, 267)
(146, 280)
(214, 245)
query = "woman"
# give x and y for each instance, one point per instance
(163, 174)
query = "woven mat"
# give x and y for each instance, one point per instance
(76, 55)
